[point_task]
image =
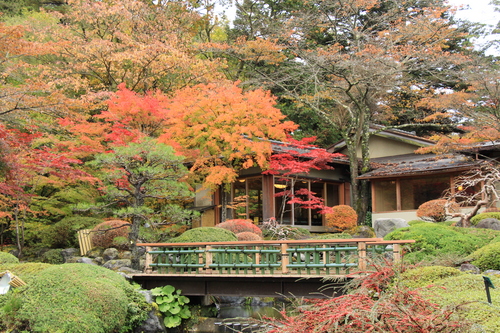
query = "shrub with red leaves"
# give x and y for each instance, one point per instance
(104, 233)
(248, 236)
(379, 304)
(240, 225)
(340, 218)
(434, 210)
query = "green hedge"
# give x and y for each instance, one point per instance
(487, 257)
(74, 298)
(205, 234)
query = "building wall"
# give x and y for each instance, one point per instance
(382, 147)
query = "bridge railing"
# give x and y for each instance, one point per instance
(286, 257)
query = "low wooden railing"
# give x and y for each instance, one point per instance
(286, 257)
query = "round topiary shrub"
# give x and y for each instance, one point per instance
(487, 257)
(341, 217)
(7, 258)
(423, 276)
(53, 256)
(240, 225)
(205, 234)
(248, 236)
(434, 210)
(104, 233)
(74, 298)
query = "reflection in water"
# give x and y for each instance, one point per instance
(239, 318)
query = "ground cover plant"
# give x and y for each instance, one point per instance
(205, 234)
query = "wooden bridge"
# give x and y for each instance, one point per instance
(262, 268)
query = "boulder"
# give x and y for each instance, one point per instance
(470, 268)
(489, 223)
(383, 226)
(69, 253)
(110, 254)
(117, 264)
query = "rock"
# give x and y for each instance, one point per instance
(491, 272)
(73, 260)
(128, 270)
(153, 324)
(110, 254)
(85, 260)
(95, 252)
(117, 264)
(125, 255)
(383, 226)
(68, 253)
(469, 268)
(489, 223)
(232, 300)
(362, 231)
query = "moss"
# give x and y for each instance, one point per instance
(426, 275)
(205, 234)
(53, 256)
(7, 258)
(25, 271)
(340, 235)
(77, 298)
(467, 292)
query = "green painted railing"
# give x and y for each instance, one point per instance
(287, 257)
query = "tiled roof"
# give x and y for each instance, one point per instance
(414, 164)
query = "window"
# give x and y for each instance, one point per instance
(408, 193)
(247, 199)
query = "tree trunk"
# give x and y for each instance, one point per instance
(133, 236)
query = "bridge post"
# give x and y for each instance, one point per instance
(396, 252)
(208, 255)
(362, 256)
(148, 261)
(285, 259)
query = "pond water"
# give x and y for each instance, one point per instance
(238, 318)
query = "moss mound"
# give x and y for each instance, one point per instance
(487, 257)
(7, 258)
(205, 234)
(426, 275)
(75, 298)
(466, 292)
(494, 215)
(434, 239)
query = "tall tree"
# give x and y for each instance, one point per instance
(344, 59)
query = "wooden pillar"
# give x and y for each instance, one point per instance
(208, 254)
(285, 260)
(148, 261)
(362, 256)
(396, 252)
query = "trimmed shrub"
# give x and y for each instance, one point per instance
(63, 234)
(248, 236)
(75, 298)
(487, 257)
(475, 220)
(340, 235)
(240, 225)
(423, 276)
(433, 239)
(341, 218)
(434, 210)
(104, 233)
(205, 234)
(53, 256)
(7, 258)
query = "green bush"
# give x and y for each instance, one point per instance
(7, 258)
(340, 235)
(493, 215)
(75, 298)
(205, 234)
(433, 239)
(423, 276)
(53, 256)
(63, 234)
(487, 257)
